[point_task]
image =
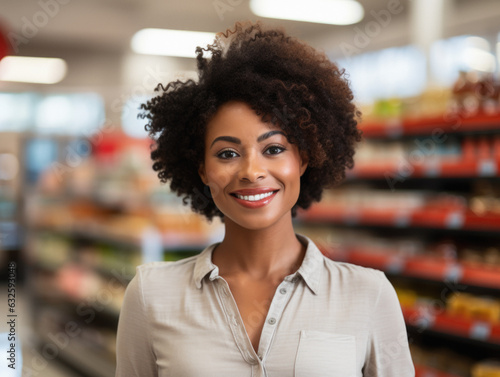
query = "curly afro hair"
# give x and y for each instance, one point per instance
(285, 81)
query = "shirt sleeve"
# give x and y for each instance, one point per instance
(134, 350)
(388, 349)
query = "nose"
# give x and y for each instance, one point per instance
(252, 168)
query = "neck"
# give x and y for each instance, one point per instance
(273, 252)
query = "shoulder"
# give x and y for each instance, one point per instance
(346, 278)
(357, 279)
(349, 271)
(161, 266)
(162, 273)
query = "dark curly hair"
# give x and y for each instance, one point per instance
(285, 81)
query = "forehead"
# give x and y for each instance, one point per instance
(237, 117)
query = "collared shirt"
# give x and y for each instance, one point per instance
(327, 319)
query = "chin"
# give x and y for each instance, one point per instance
(255, 221)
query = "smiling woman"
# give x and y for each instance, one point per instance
(269, 125)
(249, 164)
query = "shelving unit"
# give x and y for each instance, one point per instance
(425, 217)
(86, 290)
(83, 244)
(433, 233)
(449, 123)
(430, 372)
(423, 267)
(10, 203)
(482, 331)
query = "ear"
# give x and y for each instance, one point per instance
(304, 161)
(201, 172)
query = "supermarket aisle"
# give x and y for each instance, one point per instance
(33, 361)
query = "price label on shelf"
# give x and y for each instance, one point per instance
(432, 169)
(486, 168)
(453, 273)
(480, 331)
(402, 219)
(394, 128)
(425, 321)
(454, 220)
(395, 265)
(351, 217)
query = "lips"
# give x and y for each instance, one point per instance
(257, 199)
(255, 191)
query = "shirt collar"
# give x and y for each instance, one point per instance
(310, 269)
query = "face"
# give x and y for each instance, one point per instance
(247, 157)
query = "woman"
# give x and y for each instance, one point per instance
(269, 124)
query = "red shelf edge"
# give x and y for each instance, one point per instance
(423, 267)
(440, 169)
(425, 216)
(447, 324)
(411, 126)
(424, 371)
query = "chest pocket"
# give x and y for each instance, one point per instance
(325, 354)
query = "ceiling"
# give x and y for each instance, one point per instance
(94, 35)
(109, 24)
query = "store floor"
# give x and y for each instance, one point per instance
(33, 362)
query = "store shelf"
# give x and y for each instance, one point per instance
(435, 168)
(447, 123)
(426, 217)
(450, 198)
(88, 361)
(424, 371)
(482, 331)
(173, 240)
(424, 267)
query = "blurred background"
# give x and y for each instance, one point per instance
(80, 205)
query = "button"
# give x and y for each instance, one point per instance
(272, 321)
(282, 291)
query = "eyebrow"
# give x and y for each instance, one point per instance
(235, 140)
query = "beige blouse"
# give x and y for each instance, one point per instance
(179, 319)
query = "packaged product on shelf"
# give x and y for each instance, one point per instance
(479, 257)
(485, 198)
(475, 94)
(388, 108)
(496, 149)
(474, 308)
(449, 149)
(489, 93)
(492, 257)
(431, 103)
(465, 100)
(486, 368)
(440, 361)
(407, 297)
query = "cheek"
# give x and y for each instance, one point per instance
(218, 177)
(290, 170)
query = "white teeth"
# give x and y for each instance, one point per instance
(254, 198)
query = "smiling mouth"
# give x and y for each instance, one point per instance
(255, 198)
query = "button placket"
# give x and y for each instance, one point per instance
(237, 328)
(278, 304)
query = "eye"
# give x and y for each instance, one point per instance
(226, 154)
(275, 149)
